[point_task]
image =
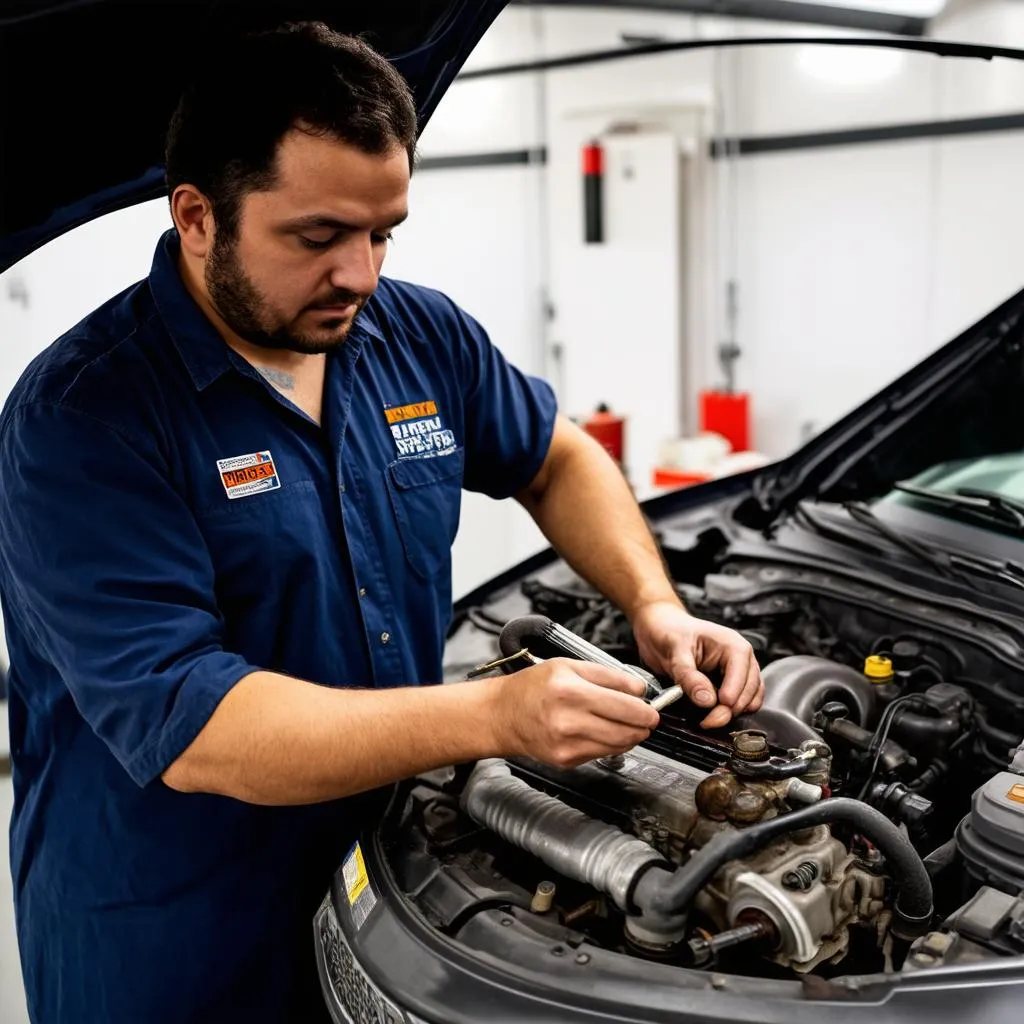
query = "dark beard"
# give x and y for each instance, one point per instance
(242, 308)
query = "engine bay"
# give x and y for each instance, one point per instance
(868, 819)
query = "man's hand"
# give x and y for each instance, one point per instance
(678, 645)
(565, 712)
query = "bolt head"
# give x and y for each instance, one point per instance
(750, 744)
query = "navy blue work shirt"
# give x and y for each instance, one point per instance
(169, 523)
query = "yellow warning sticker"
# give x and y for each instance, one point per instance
(354, 873)
(361, 897)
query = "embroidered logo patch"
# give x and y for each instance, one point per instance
(248, 474)
(418, 430)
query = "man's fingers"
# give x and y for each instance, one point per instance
(719, 716)
(751, 691)
(614, 735)
(622, 708)
(736, 662)
(695, 684)
(610, 678)
(750, 699)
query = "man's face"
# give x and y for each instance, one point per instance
(309, 251)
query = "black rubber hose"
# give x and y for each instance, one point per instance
(996, 735)
(514, 636)
(666, 893)
(923, 732)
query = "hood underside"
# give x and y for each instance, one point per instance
(88, 87)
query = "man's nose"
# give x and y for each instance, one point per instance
(355, 267)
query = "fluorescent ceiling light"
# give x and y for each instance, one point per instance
(910, 8)
(849, 66)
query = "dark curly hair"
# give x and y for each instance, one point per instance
(224, 134)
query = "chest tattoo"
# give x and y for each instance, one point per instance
(280, 379)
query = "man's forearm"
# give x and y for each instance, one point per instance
(278, 740)
(585, 508)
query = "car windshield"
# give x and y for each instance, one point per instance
(986, 491)
(997, 474)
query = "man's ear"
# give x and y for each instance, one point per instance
(192, 213)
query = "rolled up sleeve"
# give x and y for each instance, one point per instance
(509, 416)
(104, 567)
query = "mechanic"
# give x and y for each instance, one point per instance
(227, 502)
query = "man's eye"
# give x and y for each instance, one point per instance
(383, 239)
(312, 243)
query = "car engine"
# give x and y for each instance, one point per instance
(869, 817)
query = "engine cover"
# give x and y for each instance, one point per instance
(991, 837)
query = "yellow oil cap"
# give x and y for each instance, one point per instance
(878, 668)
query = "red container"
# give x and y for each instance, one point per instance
(727, 414)
(677, 478)
(609, 431)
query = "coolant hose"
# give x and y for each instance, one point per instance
(665, 893)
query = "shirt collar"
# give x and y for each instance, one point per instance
(202, 349)
(366, 323)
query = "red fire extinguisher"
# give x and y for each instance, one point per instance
(609, 431)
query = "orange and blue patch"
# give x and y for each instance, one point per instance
(244, 475)
(419, 431)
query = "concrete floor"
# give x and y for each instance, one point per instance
(12, 996)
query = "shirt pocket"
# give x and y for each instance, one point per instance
(426, 496)
(262, 542)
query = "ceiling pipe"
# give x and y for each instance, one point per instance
(793, 11)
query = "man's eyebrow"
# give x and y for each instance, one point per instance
(319, 220)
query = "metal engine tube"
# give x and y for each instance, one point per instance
(567, 840)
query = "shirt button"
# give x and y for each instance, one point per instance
(385, 637)
(341, 488)
(362, 591)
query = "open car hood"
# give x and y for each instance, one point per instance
(88, 87)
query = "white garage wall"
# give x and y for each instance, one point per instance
(978, 256)
(852, 263)
(832, 296)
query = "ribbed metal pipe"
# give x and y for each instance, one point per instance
(567, 840)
